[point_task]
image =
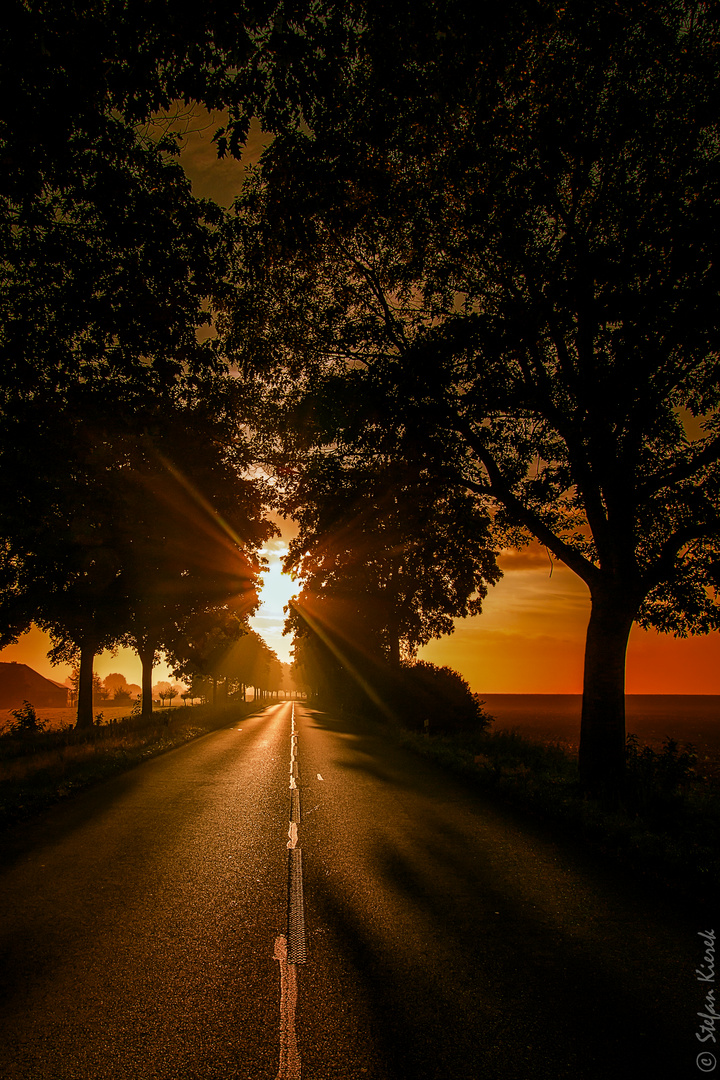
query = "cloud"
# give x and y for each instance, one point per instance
(275, 549)
(532, 557)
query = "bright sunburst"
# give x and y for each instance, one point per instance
(276, 591)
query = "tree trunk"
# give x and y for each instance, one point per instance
(602, 728)
(85, 687)
(146, 653)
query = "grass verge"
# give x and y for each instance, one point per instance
(40, 768)
(666, 831)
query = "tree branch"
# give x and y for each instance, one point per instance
(665, 563)
(501, 491)
(683, 471)
(394, 328)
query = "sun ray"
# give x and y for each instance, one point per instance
(317, 628)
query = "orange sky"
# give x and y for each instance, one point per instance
(530, 640)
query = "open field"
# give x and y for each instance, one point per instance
(61, 718)
(688, 718)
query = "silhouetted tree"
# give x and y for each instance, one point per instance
(110, 266)
(61, 557)
(202, 642)
(378, 537)
(500, 230)
(195, 524)
(123, 529)
(248, 662)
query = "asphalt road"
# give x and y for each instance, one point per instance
(144, 926)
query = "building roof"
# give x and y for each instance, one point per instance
(19, 683)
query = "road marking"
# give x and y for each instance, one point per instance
(297, 946)
(289, 1068)
(291, 950)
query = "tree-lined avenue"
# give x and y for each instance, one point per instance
(445, 938)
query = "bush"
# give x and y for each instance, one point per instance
(438, 700)
(26, 723)
(122, 697)
(655, 781)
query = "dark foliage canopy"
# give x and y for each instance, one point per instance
(390, 548)
(501, 232)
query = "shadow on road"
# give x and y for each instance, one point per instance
(487, 948)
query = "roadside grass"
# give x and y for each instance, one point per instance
(40, 768)
(667, 828)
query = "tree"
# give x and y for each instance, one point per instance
(104, 247)
(60, 560)
(106, 266)
(321, 667)
(499, 230)
(166, 691)
(398, 555)
(89, 552)
(203, 641)
(195, 521)
(115, 682)
(110, 266)
(250, 662)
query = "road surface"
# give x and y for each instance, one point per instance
(144, 927)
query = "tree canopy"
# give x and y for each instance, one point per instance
(110, 271)
(396, 554)
(505, 239)
(124, 529)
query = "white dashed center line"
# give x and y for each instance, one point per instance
(290, 950)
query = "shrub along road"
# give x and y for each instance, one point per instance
(143, 927)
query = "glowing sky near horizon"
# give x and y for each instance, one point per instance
(277, 590)
(530, 639)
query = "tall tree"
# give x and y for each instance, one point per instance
(60, 560)
(127, 527)
(398, 555)
(216, 644)
(195, 521)
(248, 662)
(500, 227)
(109, 271)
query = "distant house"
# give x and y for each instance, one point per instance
(19, 683)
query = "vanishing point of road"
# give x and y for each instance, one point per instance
(295, 897)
